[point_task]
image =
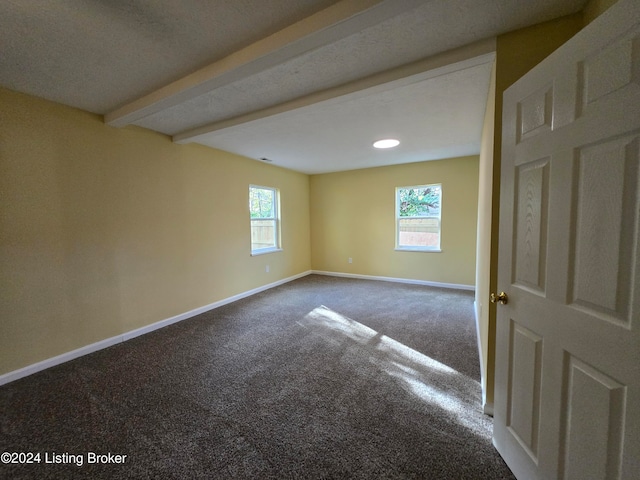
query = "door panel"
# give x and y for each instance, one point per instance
(605, 224)
(612, 69)
(525, 365)
(567, 399)
(594, 406)
(530, 237)
(535, 113)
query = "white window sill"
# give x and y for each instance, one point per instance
(418, 249)
(265, 251)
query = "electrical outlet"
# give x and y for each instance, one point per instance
(350, 260)
(267, 269)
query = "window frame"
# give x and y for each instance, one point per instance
(276, 221)
(417, 248)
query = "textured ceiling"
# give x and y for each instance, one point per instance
(446, 109)
(281, 79)
(99, 54)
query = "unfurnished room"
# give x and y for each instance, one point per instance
(305, 239)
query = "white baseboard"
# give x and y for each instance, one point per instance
(397, 280)
(94, 347)
(57, 360)
(211, 306)
(487, 408)
(108, 342)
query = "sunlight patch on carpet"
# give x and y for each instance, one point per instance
(424, 377)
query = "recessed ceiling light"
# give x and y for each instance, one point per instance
(386, 143)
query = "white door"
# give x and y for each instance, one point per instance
(567, 402)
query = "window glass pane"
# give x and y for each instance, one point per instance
(419, 201)
(263, 234)
(263, 209)
(419, 232)
(418, 217)
(261, 203)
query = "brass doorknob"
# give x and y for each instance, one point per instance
(500, 298)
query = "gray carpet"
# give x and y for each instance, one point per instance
(320, 378)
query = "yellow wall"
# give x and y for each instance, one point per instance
(352, 215)
(105, 230)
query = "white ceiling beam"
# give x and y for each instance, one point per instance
(440, 64)
(325, 27)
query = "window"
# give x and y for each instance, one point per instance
(418, 217)
(265, 228)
